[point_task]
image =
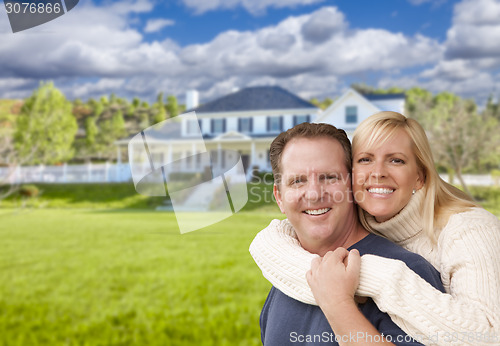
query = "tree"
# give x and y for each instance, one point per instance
(159, 112)
(459, 136)
(9, 159)
(321, 104)
(46, 127)
(172, 106)
(492, 108)
(109, 131)
(91, 131)
(363, 88)
(419, 102)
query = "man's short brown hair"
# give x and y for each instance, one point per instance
(307, 130)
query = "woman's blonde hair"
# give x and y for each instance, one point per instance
(441, 199)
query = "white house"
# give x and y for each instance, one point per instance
(247, 121)
(352, 108)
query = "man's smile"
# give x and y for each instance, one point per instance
(317, 211)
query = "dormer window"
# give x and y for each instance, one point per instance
(351, 114)
(274, 124)
(245, 125)
(218, 125)
(299, 119)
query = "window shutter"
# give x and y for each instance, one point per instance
(251, 124)
(223, 125)
(281, 123)
(239, 124)
(199, 124)
(268, 126)
(295, 120)
(212, 125)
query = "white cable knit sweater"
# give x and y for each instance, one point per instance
(467, 255)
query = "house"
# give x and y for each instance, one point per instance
(352, 108)
(246, 122)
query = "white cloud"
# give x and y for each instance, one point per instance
(253, 6)
(93, 50)
(154, 25)
(477, 12)
(475, 32)
(453, 70)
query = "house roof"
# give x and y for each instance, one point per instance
(379, 97)
(255, 98)
(340, 101)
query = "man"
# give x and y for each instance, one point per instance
(311, 165)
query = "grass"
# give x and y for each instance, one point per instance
(488, 197)
(118, 196)
(87, 277)
(92, 264)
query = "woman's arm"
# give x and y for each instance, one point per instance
(470, 269)
(283, 262)
(471, 272)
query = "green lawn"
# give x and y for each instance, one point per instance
(90, 277)
(92, 264)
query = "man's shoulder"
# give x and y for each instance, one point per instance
(376, 245)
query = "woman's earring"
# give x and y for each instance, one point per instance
(413, 192)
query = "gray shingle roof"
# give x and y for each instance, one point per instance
(255, 98)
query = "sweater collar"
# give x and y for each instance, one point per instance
(404, 225)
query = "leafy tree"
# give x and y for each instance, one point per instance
(419, 102)
(45, 127)
(91, 131)
(492, 108)
(322, 104)
(159, 112)
(363, 88)
(460, 138)
(367, 89)
(9, 159)
(172, 106)
(109, 131)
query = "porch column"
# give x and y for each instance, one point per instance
(193, 156)
(219, 156)
(118, 155)
(170, 156)
(252, 157)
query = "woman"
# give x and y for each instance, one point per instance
(402, 197)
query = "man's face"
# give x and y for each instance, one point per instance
(315, 191)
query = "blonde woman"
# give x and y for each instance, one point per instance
(401, 197)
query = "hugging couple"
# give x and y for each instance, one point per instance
(411, 260)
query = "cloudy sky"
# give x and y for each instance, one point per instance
(315, 48)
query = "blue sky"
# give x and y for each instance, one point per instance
(315, 48)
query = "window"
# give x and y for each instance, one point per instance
(351, 114)
(218, 125)
(274, 124)
(299, 119)
(245, 125)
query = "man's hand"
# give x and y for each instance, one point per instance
(334, 279)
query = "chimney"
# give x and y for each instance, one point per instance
(191, 99)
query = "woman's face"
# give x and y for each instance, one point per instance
(384, 178)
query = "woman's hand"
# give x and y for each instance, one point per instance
(334, 279)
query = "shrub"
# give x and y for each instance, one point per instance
(29, 191)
